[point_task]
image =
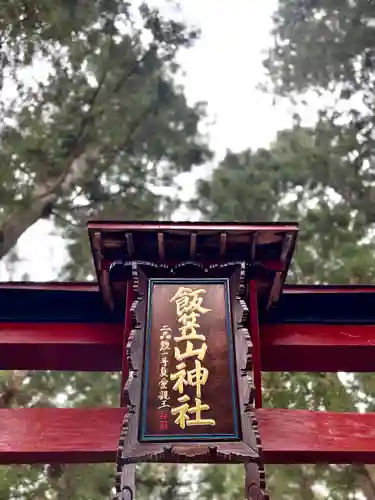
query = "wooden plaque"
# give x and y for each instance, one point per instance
(189, 354)
(189, 388)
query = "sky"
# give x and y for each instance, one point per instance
(223, 69)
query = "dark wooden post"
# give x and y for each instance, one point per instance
(255, 339)
(125, 480)
(255, 483)
(129, 298)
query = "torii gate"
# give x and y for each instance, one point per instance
(215, 287)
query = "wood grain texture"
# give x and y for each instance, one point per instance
(217, 330)
(44, 435)
(126, 335)
(170, 243)
(255, 478)
(97, 347)
(60, 346)
(160, 449)
(109, 226)
(255, 338)
(318, 347)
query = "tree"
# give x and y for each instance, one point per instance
(287, 182)
(98, 120)
(326, 46)
(324, 177)
(323, 45)
(93, 126)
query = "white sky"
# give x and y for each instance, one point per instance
(223, 69)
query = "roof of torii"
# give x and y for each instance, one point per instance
(266, 248)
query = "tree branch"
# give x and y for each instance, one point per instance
(45, 195)
(122, 146)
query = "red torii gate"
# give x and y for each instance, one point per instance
(68, 326)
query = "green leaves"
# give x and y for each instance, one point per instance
(103, 119)
(312, 176)
(95, 128)
(340, 32)
(322, 177)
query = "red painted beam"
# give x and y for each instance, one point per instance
(97, 347)
(44, 435)
(302, 436)
(50, 435)
(318, 347)
(60, 346)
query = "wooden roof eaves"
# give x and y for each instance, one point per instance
(189, 226)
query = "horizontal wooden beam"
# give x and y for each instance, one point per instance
(109, 226)
(70, 286)
(269, 265)
(60, 346)
(45, 435)
(310, 347)
(97, 347)
(327, 289)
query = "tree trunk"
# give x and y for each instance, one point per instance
(44, 195)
